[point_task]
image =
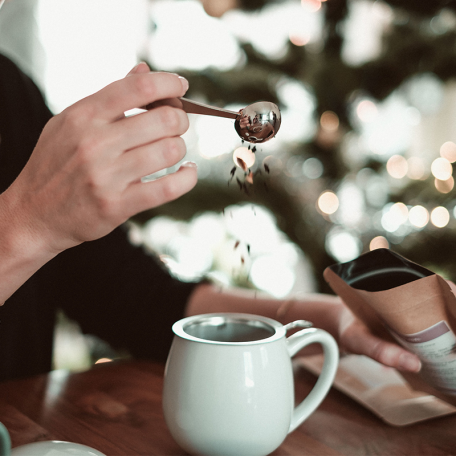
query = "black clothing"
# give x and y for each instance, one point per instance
(112, 289)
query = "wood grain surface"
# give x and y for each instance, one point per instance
(116, 408)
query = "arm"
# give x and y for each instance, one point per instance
(324, 311)
(84, 176)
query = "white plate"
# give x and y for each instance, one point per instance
(54, 448)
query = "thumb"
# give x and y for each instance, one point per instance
(359, 340)
(141, 67)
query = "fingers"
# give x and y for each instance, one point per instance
(175, 102)
(136, 90)
(357, 339)
(392, 355)
(141, 196)
(149, 159)
(149, 126)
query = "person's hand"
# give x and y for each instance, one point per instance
(84, 176)
(355, 337)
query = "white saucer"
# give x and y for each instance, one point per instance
(54, 448)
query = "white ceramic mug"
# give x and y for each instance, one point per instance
(229, 387)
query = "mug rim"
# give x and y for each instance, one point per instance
(278, 328)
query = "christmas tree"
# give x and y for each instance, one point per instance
(376, 169)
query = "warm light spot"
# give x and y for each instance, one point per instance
(401, 211)
(397, 166)
(366, 111)
(379, 242)
(329, 121)
(299, 38)
(416, 168)
(394, 215)
(440, 217)
(311, 5)
(419, 216)
(448, 151)
(244, 157)
(441, 169)
(444, 186)
(328, 203)
(103, 360)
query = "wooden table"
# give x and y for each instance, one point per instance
(116, 408)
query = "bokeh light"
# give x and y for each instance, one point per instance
(394, 215)
(448, 151)
(299, 37)
(419, 216)
(366, 110)
(170, 51)
(351, 204)
(329, 121)
(379, 242)
(415, 168)
(440, 217)
(328, 202)
(312, 168)
(244, 156)
(273, 275)
(342, 245)
(441, 168)
(397, 166)
(444, 186)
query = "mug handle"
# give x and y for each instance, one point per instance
(5, 441)
(295, 343)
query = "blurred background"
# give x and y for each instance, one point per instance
(363, 160)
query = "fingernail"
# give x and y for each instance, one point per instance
(409, 363)
(184, 83)
(189, 164)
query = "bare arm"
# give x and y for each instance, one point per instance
(324, 311)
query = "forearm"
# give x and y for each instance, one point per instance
(22, 252)
(322, 310)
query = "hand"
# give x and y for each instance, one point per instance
(84, 176)
(355, 337)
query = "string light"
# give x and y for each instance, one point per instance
(328, 203)
(444, 186)
(419, 216)
(448, 151)
(440, 217)
(329, 121)
(397, 166)
(441, 169)
(394, 215)
(379, 242)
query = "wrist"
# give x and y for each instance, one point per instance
(22, 250)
